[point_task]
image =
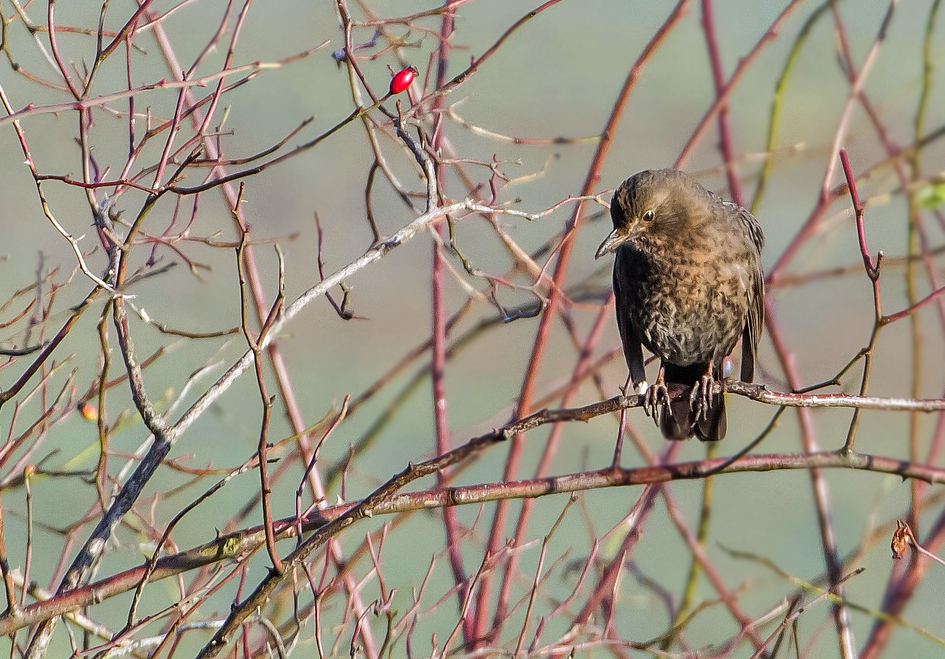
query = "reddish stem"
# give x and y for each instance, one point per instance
(718, 77)
(561, 268)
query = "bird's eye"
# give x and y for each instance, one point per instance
(648, 216)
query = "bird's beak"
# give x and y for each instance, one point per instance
(611, 242)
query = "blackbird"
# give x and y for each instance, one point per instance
(688, 284)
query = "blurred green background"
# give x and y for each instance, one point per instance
(558, 76)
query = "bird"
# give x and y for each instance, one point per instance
(688, 284)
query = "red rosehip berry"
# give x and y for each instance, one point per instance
(402, 80)
(88, 411)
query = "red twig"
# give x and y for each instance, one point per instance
(718, 78)
(872, 269)
(439, 335)
(561, 267)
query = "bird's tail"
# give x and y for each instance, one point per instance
(675, 419)
(678, 419)
(712, 426)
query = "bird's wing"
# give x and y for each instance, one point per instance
(752, 228)
(756, 319)
(632, 348)
(756, 295)
(747, 223)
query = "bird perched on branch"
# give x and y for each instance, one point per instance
(688, 284)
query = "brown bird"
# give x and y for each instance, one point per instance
(688, 284)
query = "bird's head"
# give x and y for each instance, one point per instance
(660, 201)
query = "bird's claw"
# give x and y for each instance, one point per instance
(654, 398)
(700, 397)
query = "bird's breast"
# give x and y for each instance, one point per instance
(685, 303)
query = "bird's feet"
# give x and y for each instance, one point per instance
(655, 398)
(700, 398)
